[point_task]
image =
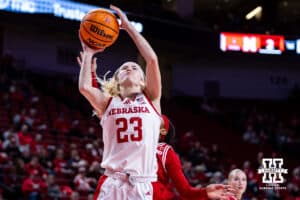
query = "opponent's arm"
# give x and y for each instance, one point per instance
(212, 191)
(174, 171)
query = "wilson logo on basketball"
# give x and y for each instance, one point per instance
(100, 32)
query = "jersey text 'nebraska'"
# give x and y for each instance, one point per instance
(135, 109)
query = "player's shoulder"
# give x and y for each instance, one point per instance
(164, 146)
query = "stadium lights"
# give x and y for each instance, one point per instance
(255, 12)
(66, 9)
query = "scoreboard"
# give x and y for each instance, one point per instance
(252, 43)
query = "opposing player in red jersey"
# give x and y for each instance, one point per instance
(170, 169)
(237, 179)
(129, 107)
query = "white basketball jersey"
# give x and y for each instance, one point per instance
(130, 136)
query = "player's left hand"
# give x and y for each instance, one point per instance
(125, 23)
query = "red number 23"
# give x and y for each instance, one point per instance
(122, 132)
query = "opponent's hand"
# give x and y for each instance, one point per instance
(219, 191)
(125, 23)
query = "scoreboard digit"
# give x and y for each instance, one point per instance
(271, 44)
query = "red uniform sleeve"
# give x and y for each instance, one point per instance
(174, 171)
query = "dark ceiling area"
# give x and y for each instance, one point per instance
(276, 17)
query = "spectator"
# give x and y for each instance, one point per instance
(54, 192)
(12, 147)
(250, 135)
(60, 163)
(83, 183)
(34, 164)
(25, 138)
(33, 187)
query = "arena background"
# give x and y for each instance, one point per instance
(229, 109)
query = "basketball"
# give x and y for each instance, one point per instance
(99, 28)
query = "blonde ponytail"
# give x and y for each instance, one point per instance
(109, 86)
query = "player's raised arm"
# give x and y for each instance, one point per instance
(153, 77)
(95, 96)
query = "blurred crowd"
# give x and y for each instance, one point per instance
(51, 149)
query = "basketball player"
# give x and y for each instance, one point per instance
(167, 157)
(237, 179)
(129, 107)
(170, 169)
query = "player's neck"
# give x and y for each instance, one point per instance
(130, 92)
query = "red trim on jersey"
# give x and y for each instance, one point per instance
(121, 97)
(108, 103)
(163, 148)
(150, 102)
(100, 183)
